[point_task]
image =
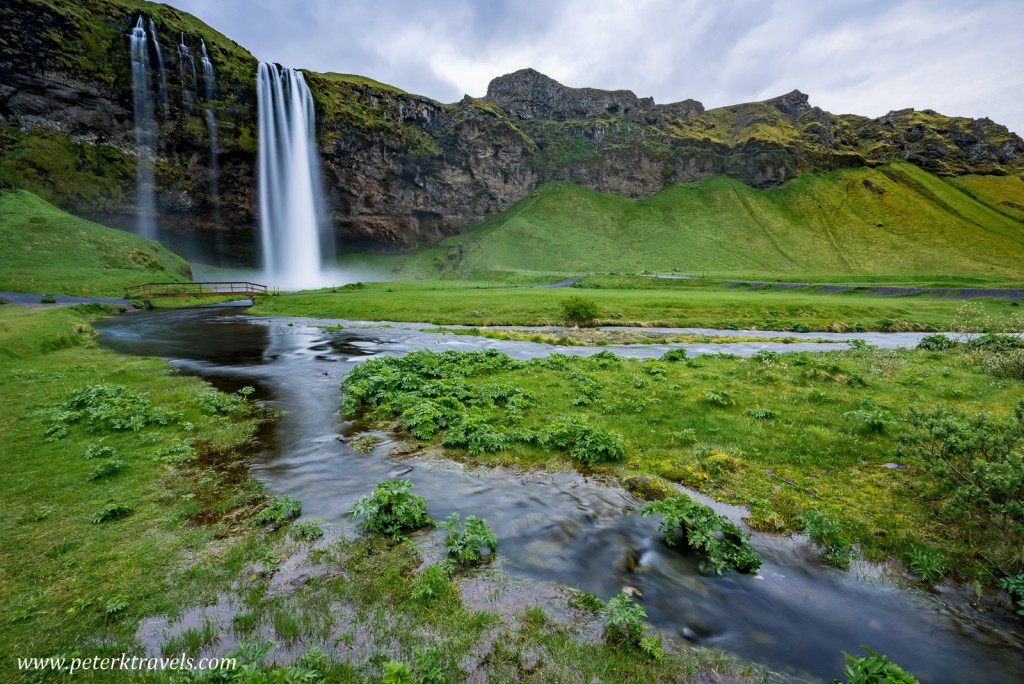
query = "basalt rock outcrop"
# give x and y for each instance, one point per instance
(402, 169)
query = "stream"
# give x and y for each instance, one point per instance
(796, 615)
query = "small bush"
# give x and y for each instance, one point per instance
(585, 601)
(112, 511)
(928, 564)
(761, 414)
(722, 399)
(624, 620)
(47, 299)
(113, 408)
(584, 442)
(391, 509)
(467, 544)
(98, 451)
(1007, 365)
(650, 646)
(579, 310)
(105, 469)
(476, 435)
(426, 662)
(874, 669)
(722, 543)
(308, 530)
(936, 343)
(397, 672)
(674, 355)
(280, 510)
(1014, 588)
(833, 546)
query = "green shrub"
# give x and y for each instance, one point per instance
(833, 546)
(928, 564)
(475, 435)
(467, 544)
(936, 343)
(978, 462)
(761, 414)
(1006, 365)
(308, 530)
(391, 509)
(579, 310)
(674, 355)
(98, 451)
(722, 399)
(584, 442)
(624, 620)
(280, 510)
(105, 469)
(112, 511)
(397, 672)
(874, 669)
(650, 646)
(585, 601)
(722, 543)
(1014, 588)
(426, 662)
(109, 408)
(47, 299)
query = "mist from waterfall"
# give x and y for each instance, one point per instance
(145, 134)
(164, 106)
(210, 92)
(289, 180)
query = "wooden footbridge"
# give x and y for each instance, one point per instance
(211, 289)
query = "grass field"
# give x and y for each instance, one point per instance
(628, 301)
(48, 250)
(892, 220)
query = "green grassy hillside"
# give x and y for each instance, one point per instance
(895, 218)
(43, 249)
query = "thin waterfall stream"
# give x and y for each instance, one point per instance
(796, 615)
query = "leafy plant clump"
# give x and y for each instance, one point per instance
(391, 509)
(586, 443)
(978, 464)
(466, 544)
(280, 510)
(833, 546)
(874, 668)
(108, 408)
(624, 620)
(308, 530)
(579, 310)
(723, 544)
(112, 511)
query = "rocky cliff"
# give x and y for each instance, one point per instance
(401, 169)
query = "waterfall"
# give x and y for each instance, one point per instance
(289, 179)
(187, 68)
(160, 68)
(142, 104)
(210, 91)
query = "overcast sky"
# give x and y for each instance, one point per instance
(961, 58)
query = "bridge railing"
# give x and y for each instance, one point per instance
(207, 289)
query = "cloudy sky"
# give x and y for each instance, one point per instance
(959, 57)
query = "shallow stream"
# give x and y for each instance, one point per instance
(796, 615)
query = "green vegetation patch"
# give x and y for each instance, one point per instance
(48, 250)
(817, 442)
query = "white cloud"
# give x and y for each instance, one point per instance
(864, 57)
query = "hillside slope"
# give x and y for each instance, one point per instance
(896, 218)
(48, 250)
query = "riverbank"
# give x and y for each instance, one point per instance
(636, 301)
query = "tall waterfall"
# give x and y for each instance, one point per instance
(289, 179)
(142, 102)
(210, 92)
(159, 67)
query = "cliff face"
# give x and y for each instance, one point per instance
(400, 169)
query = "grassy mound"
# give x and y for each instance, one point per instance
(48, 250)
(895, 218)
